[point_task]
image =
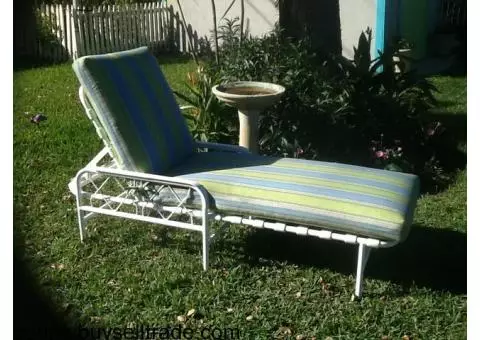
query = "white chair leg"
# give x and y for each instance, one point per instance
(81, 224)
(81, 219)
(363, 254)
(206, 243)
(80, 214)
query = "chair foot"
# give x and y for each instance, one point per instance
(355, 298)
(205, 254)
(80, 213)
(205, 246)
(363, 254)
(81, 225)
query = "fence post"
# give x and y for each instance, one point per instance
(79, 31)
(157, 23)
(49, 46)
(63, 32)
(116, 27)
(171, 28)
(108, 27)
(67, 33)
(94, 30)
(76, 41)
(41, 52)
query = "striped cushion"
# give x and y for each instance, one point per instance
(136, 108)
(363, 201)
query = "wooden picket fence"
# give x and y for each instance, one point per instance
(64, 32)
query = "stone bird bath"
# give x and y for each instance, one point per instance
(250, 98)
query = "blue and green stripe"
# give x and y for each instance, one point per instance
(363, 201)
(136, 108)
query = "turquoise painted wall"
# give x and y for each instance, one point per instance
(413, 20)
(380, 32)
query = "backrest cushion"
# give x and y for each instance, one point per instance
(136, 108)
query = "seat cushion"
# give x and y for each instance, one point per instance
(136, 109)
(352, 199)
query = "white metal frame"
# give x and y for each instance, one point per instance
(102, 188)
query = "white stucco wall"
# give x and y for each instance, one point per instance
(355, 17)
(260, 15)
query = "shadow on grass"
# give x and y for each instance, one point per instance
(26, 63)
(431, 258)
(450, 149)
(455, 123)
(34, 314)
(172, 58)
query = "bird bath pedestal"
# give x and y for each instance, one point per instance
(250, 98)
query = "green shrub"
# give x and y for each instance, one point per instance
(309, 99)
(388, 111)
(356, 111)
(209, 119)
(47, 29)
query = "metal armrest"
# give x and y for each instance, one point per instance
(140, 176)
(216, 146)
(94, 162)
(115, 203)
(221, 147)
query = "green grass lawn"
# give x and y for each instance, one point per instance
(266, 284)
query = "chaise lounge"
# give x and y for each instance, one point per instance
(152, 170)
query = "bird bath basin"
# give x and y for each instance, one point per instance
(250, 98)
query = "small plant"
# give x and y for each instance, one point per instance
(229, 32)
(208, 118)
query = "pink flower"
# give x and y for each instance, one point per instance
(380, 154)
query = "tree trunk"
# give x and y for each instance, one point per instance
(317, 20)
(242, 19)
(215, 32)
(184, 23)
